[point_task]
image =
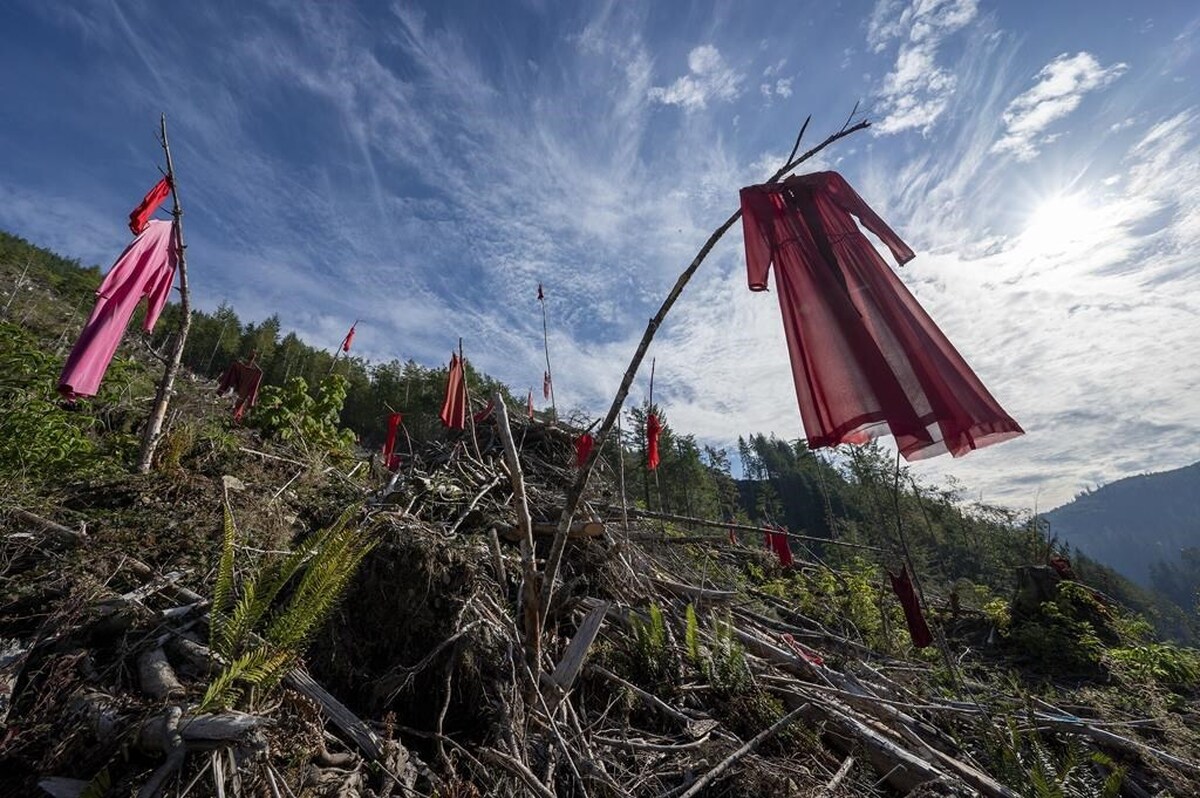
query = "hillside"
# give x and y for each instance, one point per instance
(1136, 523)
(271, 612)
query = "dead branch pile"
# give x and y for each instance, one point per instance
(650, 669)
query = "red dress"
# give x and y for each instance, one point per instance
(866, 358)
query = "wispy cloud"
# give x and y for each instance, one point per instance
(418, 171)
(709, 78)
(1059, 89)
(915, 93)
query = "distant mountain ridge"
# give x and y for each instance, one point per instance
(1135, 522)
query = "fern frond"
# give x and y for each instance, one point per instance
(223, 589)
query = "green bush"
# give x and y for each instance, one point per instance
(1169, 665)
(293, 415)
(38, 437)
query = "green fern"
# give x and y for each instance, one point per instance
(99, 786)
(257, 636)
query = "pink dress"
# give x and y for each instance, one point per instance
(866, 358)
(145, 269)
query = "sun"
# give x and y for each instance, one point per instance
(1059, 223)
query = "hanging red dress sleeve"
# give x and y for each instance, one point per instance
(846, 198)
(756, 205)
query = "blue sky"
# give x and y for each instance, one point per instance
(423, 166)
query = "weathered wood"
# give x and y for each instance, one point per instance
(691, 591)
(59, 787)
(13, 655)
(635, 512)
(579, 530)
(750, 747)
(531, 602)
(831, 786)
(898, 767)
(360, 733)
(169, 729)
(157, 677)
(573, 658)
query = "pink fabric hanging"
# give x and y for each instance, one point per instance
(145, 269)
(349, 339)
(866, 358)
(546, 386)
(529, 405)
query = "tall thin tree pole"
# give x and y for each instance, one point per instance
(546, 346)
(166, 387)
(575, 493)
(217, 345)
(29, 261)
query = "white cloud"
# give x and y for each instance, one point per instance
(780, 88)
(1060, 88)
(916, 92)
(709, 78)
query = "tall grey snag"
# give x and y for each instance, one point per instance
(166, 386)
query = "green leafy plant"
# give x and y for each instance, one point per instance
(293, 415)
(1166, 664)
(256, 633)
(1037, 768)
(37, 436)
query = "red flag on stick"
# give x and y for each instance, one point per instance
(583, 447)
(391, 460)
(653, 428)
(140, 216)
(918, 630)
(546, 386)
(529, 409)
(454, 406)
(349, 338)
(541, 296)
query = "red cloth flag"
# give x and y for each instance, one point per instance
(541, 296)
(811, 657)
(867, 360)
(529, 407)
(139, 217)
(653, 428)
(244, 380)
(349, 338)
(454, 406)
(583, 448)
(779, 544)
(485, 413)
(918, 630)
(391, 460)
(546, 386)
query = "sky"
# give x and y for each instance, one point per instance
(422, 167)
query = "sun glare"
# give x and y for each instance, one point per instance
(1060, 223)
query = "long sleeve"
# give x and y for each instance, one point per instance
(846, 198)
(756, 212)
